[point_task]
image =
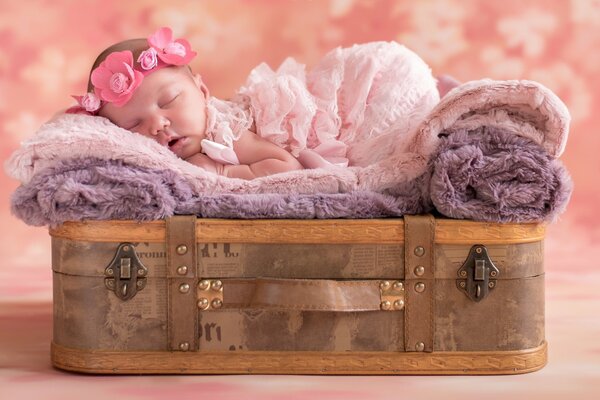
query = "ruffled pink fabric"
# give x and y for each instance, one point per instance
(226, 121)
(355, 107)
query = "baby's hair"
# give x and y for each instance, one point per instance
(136, 46)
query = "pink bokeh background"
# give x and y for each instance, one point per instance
(47, 48)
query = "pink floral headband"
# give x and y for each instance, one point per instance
(116, 78)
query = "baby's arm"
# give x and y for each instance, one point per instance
(259, 157)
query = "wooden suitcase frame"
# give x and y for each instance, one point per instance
(505, 333)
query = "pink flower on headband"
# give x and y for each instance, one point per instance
(148, 59)
(115, 79)
(174, 52)
(89, 102)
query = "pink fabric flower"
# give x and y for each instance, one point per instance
(174, 52)
(89, 102)
(148, 59)
(115, 79)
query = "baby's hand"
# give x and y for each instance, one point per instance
(204, 162)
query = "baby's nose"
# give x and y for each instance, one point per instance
(158, 129)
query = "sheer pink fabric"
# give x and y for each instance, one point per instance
(355, 107)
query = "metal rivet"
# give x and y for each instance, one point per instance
(110, 283)
(493, 273)
(399, 304)
(463, 273)
(181, 249)
(204, 285)
(141, 272)
(463, 284)
(203, 304)
(386, 305)
(216, 303)
(385, 285)
(140, 283)
(398, 286)
(185, 346)
(110, 271)
(478, 250)
(182, 270)
(420, 287)
(125, 248)
(216, 285)
(184, 288)
(491, 285)
(419, 270)
(419, 251)
(420, 346)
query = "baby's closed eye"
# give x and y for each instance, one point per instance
(170, 100)
(131, 125)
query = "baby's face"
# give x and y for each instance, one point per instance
(169, 107)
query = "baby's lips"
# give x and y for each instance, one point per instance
(177, 146)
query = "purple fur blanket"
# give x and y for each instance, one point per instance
(483, 175)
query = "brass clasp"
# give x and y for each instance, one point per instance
(478, 274)
(125, 275)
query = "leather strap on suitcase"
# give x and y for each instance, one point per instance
(182, 312)
(419, 282)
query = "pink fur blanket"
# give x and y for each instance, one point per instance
(525, 108)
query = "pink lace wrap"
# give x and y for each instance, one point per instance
(355, 107)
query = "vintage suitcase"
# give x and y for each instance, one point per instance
(418, 295)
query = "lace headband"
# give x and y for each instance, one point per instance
(117, 77)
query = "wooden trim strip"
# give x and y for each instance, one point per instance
(352, 231)
(322, 363)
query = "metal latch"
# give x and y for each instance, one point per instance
(478, 274)
(125, 275)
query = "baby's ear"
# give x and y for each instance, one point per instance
(200, 84)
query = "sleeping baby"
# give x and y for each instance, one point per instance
(356, 106)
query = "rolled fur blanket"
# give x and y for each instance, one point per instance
(485, 175)
(489, 174)
(90, 188)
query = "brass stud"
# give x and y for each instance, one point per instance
(181, 249)
(125, 248)
(386, 305)
(111, 283)
(478, 250)
(141, 272)
(420, 346)
(204, 285)
(491, 285)
(419, 270)
(182, 270)
(385, 285)
(419, 251)
(216, 303)
(110, 271)
(184, 346)
(463, 273)
(493, 274)
(420, 287)
(463, 284)
(399, 304)
(184, 288)
(216, 285)
(140, 284)
(203, 304)
(398, 286)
